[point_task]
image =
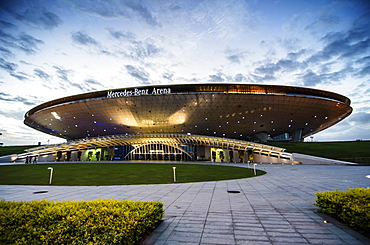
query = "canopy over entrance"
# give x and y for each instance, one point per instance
(173, 140)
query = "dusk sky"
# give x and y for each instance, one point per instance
(53, 49)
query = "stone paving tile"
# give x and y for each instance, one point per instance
(185, 237)
(252, 238)
(253, 242)
(288, 239)
(217, 238)
(243, 233)
(275, 208)
(326, 241)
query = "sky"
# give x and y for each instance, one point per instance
(52, 49)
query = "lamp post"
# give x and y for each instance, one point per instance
(174, 174)
(51, 175)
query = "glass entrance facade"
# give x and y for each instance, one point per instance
(161, 152)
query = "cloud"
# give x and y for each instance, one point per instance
(83, 39)
(8, 66)
(17, 115)
(261, 78)
(356, 126)
(282, 65)
(365, 71)
(347, 49)
(296, 55)
(234, 56)
(20, 76)
(116, 9)
(92, 84)
(6, 25)
(311, 79)
(32, 12)
(23, 42)
(168, 76)
(138, 73)
(290, 43)
(40, 17)
(119, 35)
(141, 11)
(323, 21)
(66, 83)
(345, 44)
(216, 78)
(5, 51)
(11, 69)
(344, 132)
(221, 77)
(28, 43)
(41, 74)
(140, 50)
(364, 60)
(240, 78)
(63, 73)
(360, 118)
(10, 98)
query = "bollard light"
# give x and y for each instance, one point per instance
(254, 166)
(174, 174)
(51, 175)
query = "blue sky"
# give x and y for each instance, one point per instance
(52, 49)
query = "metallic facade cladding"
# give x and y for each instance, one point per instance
(237, 111)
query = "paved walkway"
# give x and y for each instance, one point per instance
(275, 208)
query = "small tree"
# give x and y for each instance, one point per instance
(214, 156)
(97, 155)
(89, 155)
(231, 156)
(68, 156)
(241, 155)
(250, 155)
(59, 156)
(221, 155)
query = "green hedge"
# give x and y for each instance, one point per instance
(73, 222)
(351, 207)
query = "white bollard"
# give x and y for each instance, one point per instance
(254, 166)
(174, 174)
(51, 175)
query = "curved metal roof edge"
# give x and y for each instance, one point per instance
(103, 93)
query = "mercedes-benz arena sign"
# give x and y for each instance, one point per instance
(238, 111)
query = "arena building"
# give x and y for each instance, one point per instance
(213, 122)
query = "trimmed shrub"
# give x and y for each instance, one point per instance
(351, 207)
(72, 222)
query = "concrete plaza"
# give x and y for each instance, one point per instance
(275, 208)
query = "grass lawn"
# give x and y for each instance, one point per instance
(9, 150)
(98, 174)
(352, 151)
